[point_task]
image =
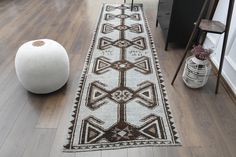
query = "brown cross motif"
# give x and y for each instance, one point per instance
(108, 28)
(102, 65)
(144, 95)
(92, 130)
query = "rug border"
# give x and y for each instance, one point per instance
(76, 105)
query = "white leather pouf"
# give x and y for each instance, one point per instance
(42, 66)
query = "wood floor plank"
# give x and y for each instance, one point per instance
(172, 151)
(224, 122)
(22, 131)
(9, 88)
(40, 144)
(160, 151)
(140, 152)
(9, 113)
(51, 111)
(89, 154)
(114, 153)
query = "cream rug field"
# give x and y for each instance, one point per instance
(121, 101)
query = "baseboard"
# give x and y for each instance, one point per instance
(224, 83)
(210, 42)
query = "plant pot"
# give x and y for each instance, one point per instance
(196, 72)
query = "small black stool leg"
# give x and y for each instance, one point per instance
(203, 37)
(132, 5)
(157, 19)
(166, 45)
(198, 37)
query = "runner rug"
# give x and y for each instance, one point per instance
(121, 101)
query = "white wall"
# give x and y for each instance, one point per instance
(215, 42)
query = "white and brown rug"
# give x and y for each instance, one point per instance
(121, 101)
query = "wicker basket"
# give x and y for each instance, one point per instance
(196, 72)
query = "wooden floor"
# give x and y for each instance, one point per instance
(35, 125)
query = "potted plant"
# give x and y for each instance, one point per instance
(197, 67)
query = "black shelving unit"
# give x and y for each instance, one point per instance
(176, 18)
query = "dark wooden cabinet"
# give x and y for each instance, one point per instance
(176, 18)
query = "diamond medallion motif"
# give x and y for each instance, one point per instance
(122, 65)
(122, 27)
(122, 16)
(122, 95)
(122, 43)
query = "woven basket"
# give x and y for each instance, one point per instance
(196, 72)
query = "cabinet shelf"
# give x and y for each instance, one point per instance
(212, 26)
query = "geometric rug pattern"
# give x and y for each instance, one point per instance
(121, 101)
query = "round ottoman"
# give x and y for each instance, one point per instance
(42, 66)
